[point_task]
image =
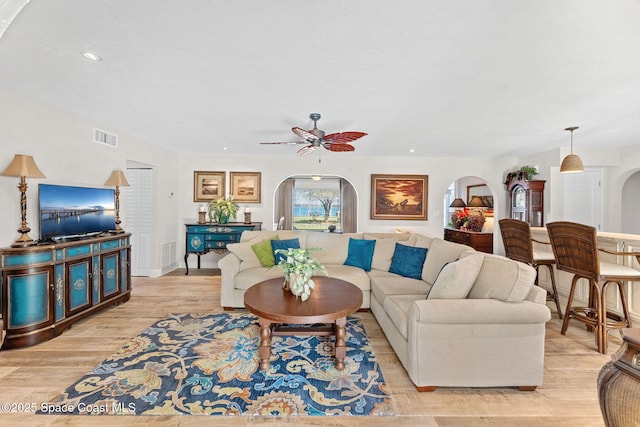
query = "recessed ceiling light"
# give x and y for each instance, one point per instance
(92, 56)
(225, 148)
(412, 150)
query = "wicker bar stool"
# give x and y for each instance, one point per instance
(576, 251)
(518, 245)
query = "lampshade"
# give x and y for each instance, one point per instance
(476, 202)
(117, 179)
(571, 163)
(457, 203)
(23, 165)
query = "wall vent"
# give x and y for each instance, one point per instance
(103, 137)
(169, 257)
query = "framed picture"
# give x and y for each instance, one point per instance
(245, 186)
(208, 186)
(481, 190)
(399, 197)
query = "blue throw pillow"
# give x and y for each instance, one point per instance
(360, 253)
(407, 261)
(283, 244)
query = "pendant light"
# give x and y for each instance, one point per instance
(572, 163)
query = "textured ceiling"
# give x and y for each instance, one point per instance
(440, 77)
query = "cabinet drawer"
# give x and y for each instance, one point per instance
(78, 250)
(228, 238)
(209, 244)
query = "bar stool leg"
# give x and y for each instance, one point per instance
(601, 325)
(567, 313)
(556, 298)
(623, 301)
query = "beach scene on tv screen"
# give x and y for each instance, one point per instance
(67, 210)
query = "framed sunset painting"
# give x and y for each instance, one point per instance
(399, 197)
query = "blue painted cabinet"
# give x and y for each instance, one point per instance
(203, 238)
(77, 286)
(32, 291)
(46, 288)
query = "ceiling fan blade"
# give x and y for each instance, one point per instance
(286, 142)
(343, 137)
(304, 134)
(339, 147)
(306, 150)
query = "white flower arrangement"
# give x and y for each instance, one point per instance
(298, 267)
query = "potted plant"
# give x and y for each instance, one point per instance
(220, 210)
(298, 267)
(529, 171)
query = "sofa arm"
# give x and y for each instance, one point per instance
(478, 311)
(229, 268)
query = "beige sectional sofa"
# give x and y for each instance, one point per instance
(467, 319)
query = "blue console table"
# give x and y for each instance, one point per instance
(203, 238)
(46, 288)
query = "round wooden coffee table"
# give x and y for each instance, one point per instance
(278, 310)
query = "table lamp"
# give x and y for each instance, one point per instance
(118, 180)
(23, 166)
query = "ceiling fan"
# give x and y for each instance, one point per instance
(315, 138)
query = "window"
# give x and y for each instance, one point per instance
(317, 205)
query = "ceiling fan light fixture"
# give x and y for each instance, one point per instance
(572, 163)
(316, 138)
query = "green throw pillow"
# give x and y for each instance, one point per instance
(264, 252)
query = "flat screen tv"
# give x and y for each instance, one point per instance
(67, 211)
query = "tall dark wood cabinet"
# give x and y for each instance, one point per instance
(527, 201)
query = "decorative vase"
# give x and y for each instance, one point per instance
(619, 383)
(298, 284)
(222, 219)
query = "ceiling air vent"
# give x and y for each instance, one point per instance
(103, 137)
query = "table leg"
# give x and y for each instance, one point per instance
(186, 264)
(264, 351)
(341, 345)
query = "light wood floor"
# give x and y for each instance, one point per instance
(567, 397)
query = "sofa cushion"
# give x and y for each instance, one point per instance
(397, 308)
(264, 252)
(440, 253)
(248, 258)
(384, 284)
(332, 247)
(283, 244)
(360, 253)
(354, 275)
(419, 240)
(503, 279)
(407, 261)
(250, 276)
(383, 251)
(456, 278)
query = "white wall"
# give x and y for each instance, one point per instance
(356, 169)
(62, 146)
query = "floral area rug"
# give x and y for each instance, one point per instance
(207, 364)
